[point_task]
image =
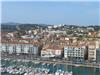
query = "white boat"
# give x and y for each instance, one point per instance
(67, 73)
(57, 72)
(70, 73)
(11, 71)
(77, 65)
(25, 73)
(62, 73)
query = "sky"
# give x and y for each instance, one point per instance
(51, 12)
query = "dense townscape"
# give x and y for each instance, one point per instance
(53, 41)
(71, 44)
(50, 37)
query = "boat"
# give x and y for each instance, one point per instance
(57, 72)
(25, 73)
(62, 73)
(70, 73)
(77, 65)
(3, 70)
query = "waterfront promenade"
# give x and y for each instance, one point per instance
(66, 63)
(56, 62)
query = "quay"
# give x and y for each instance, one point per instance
(57, 62)
(66, 63)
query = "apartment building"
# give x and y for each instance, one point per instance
(98, 55)
(92, 51)
(20, 47)
(76, 52)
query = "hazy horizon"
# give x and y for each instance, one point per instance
(75, 13)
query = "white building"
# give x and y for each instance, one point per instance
(20, 47)
(92, 51)
(75, 52)
(47, 54)
(51, 51)
(56, 32)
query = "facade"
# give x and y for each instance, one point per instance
(56, 32)
(98, 34)
(98, 55)
(92, 51)
(20, 47)
(97, 44)
(47, 53)
(75, 52)
(51, 51)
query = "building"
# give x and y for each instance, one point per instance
(20, 47)
(92, 51)
(56, 32)
(75, 52)
(47, 53)
(98, 55)
(50, 51)
(97, 44)
(98, 34)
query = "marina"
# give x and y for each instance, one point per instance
(29, 68)
(14, 67)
